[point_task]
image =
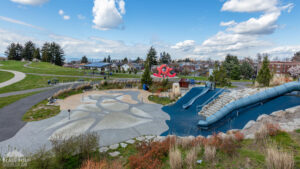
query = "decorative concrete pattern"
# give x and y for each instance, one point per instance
(113, 119)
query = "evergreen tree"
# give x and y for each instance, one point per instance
(28, 50)
(230, 64)
(219, 76)
(247, 70)
(146, 78)
(264, 75)
(46, 52)
(37, 54)
(165, 58)
(84, 59)
(125, 60)
(138, 60)
(57, 54)
(108, 59)
(151, 56)
(104, 60)
(11, 52)
(296, 57)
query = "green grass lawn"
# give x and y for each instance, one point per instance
(4, 101)
(42, 68)
(34, 81)
(41, 111)
(5, 76)
(160, 100)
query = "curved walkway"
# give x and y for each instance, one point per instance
(18, 77)
(11, 115)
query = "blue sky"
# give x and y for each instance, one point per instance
(197, 29)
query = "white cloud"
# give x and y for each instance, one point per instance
(229, 23)
(66, 17)
(81, 17)
(61, 12)
(185, 45)
(107, 15)
(283, 51)
(30, 2)
(223, 43)
(265, 24)
(19, 22)
(249, 5)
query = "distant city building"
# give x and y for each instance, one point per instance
(279, 67)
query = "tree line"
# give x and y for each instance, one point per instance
(50, 52)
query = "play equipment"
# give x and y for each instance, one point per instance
(164, 71)
(208, 86)
(250, 100)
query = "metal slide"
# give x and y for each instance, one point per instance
(188, 104)
(250, 100)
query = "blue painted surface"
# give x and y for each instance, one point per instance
(185, 119)
(250, 100)
(184, 123)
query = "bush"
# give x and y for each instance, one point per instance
(209, 153)
(273, 129)
(74, 149)
(279, 160)
(150, 155)
(239, 136)
(89, 164)
(228, 146)
(175, 158)
(41, 159)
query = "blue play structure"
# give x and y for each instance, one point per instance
(250, 100)
(185, 121)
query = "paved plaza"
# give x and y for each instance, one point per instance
(116, 116)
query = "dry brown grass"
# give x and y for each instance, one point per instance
(175, 158)
(262, 135)
(209, 153)
(89, 164)
(185, 142)
(191, 157)
(279, 160)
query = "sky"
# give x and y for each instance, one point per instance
(197, 29)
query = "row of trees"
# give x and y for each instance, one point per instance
(50, 52)
(234, 69)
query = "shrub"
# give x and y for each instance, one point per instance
(273, 129)
(239, 136)
(191, 157)
(82, 146)
(175, 158)
(41, 159)
(215, 140)
(150, 155)
(89, 164)
(279, 160)
(228, 146)
(209, 153)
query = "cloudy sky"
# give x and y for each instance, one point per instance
(198, 29)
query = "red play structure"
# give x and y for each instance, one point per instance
(164, 71)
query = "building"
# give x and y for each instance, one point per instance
(101, 66)
(279, 67)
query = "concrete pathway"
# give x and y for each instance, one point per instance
(115, 116)
(11, 115)
(18, 77)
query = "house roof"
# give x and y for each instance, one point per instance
(97, 65)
